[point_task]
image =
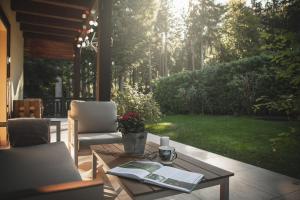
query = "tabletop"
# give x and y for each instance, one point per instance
(113, 155)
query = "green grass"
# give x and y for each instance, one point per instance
(242, 138)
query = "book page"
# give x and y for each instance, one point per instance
(136, 169)
(174, 178)
(178, 174)
(130, 173)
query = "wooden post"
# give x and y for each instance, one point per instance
(76, 74)
(104, 72)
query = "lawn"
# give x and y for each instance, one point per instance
(274, 145)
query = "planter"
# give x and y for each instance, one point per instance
(134, 143)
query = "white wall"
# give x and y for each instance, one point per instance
(16, 52)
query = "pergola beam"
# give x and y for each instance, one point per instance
(48, 37)
(47, 10)
(104, 72)
(77, 4)
(28, 28)
(51, 49)
(48, 22)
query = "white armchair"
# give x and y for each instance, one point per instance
(91, 123)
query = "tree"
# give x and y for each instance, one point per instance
(240, 34)
(133, 22)
(40, 77)
(281, 31)
(203, 21)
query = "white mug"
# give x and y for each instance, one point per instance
(164, 141)
(167, 153)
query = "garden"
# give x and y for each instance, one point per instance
(223, 76)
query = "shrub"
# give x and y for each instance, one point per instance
(133, 100)
(227, 88)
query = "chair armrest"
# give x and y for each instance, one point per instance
(3, 124)
(73, 136)
(71, 116)
(70, 190)
(73, 128)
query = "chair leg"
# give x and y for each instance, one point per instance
(76, 145)
(76, 155)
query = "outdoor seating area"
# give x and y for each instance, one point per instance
(148, 99)
(249, 182)
(31, 169)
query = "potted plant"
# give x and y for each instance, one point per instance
(134, 137)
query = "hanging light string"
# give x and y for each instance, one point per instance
(88, 33)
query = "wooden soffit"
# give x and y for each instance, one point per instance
(51, 27)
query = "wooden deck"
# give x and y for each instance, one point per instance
(248, 183)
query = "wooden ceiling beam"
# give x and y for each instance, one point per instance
(40, 29)
(47, 10)
(48, 22)
(77, 4)
(49, 37)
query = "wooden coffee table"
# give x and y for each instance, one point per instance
(107, 156)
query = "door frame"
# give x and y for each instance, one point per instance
(6, 23)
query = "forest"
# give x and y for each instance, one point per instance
(194, 56)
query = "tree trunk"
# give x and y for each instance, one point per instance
(120, 83)
(134, 76)
(83, 83)
(193, 55)
(201, 55)
(150, 70)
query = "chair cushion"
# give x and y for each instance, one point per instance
(95, 116)
(87, 139)
(28, 131)
(35, 166)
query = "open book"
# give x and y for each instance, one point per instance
(157, 174)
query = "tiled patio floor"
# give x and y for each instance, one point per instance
(248, 183)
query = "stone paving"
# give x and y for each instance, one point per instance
(249, 182)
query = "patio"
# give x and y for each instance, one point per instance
(22, 33)
(249, 182)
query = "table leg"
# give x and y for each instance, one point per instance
(94, 171)
(58, 131)
(224, 189)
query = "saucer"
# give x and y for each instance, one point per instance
(166, 162)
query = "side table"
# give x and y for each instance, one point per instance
(57, 124)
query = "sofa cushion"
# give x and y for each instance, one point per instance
(28, 131)
(95, 116)
(34, 166)
(88, 139)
